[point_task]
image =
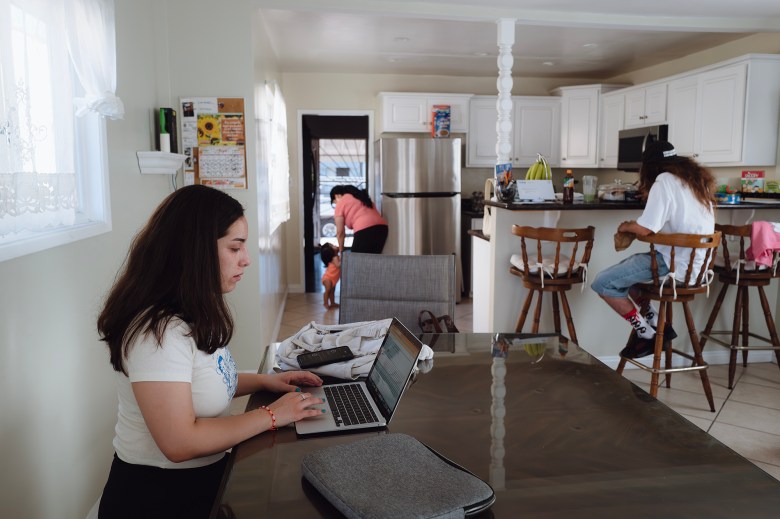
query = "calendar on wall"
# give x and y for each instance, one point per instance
(213, 132)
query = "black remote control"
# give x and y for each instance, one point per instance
(322, 357)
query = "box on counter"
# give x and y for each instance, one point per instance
(772, 186)
(753, 181)
(440, 122)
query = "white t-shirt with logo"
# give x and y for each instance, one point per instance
(672, 208)
(213, 379)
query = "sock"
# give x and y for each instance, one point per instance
(652, 315)
(641, 326)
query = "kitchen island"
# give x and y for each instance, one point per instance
(599, 329)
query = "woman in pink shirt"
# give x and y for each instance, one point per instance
(354, 209)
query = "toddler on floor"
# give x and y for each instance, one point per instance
(330, 257)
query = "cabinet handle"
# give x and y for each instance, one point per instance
(563, 158)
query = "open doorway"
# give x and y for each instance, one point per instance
(335, 151)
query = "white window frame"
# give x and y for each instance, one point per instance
(93, 216)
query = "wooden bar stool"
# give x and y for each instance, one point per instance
(667, 290)
(555, 273)
(743, 274)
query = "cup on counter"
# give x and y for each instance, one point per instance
(589, 188)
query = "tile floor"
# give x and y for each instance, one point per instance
(747, 418)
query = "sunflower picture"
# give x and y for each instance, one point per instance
(209, 133)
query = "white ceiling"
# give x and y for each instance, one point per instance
(553, 38)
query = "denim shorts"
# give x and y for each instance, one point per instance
(615, 281)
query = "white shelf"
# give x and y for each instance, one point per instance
(160, 162)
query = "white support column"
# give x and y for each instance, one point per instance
(506, 38)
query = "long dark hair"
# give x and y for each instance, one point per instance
(698, 178)
(360, 194)
(172, 270)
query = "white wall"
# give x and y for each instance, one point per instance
(57, 393)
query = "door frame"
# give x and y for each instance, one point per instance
(301, 287)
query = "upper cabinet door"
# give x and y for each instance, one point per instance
(412, 112)
(612, 108)
(404, 113)
(645, 106)
(683, 125)
(536, 129)
(722, 114)
(579, 116)
(482, 139)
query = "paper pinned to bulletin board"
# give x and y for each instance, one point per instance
(213, 136)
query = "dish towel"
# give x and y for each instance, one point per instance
(764, 241)
(364, 339)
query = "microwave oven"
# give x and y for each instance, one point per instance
(632, 143)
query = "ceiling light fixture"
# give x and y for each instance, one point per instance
(548, 63)
(590, 45)
(401, 39)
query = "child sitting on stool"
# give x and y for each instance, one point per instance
(330, 257)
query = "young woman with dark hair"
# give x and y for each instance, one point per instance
(354, 209)
(679, 199)
(167, 327)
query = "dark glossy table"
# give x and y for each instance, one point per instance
(555, 435)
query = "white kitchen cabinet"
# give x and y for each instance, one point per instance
(683, 96)
(645, 106)
(482, 138)
(728, 115)
(411, 112)
(579, 123)
(535, 129)
(611, 122)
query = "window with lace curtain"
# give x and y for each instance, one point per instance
(57, 83)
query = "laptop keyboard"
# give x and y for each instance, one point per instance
(349, 405)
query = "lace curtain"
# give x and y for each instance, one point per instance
(38, 180)
(92, 46)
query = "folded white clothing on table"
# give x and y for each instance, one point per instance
(363, 338)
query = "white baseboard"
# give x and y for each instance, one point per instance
(720, 356)
(296, 289)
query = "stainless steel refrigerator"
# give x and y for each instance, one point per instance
(416, 187)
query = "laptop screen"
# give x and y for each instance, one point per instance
(392, 367)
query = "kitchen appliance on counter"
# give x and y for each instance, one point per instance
(632, 143)
(416, 187)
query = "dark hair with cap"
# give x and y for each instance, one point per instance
(660, 152)
(661, 157)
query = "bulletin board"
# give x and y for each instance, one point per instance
(213, 133)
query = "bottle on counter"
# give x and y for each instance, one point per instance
(568, 187)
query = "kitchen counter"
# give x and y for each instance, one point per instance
(599, 329)
(612, 206)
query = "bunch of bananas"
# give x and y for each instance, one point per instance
(539, 170)
(535, 349)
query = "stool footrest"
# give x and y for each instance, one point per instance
(730, 346)
(661, 371)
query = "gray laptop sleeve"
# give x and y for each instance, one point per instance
(395, 476)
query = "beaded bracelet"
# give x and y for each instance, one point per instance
(273, 417)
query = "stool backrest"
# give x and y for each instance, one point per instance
(567, 265)
(695, 242)
(736, 231)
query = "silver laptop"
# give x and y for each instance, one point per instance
(371, 403)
